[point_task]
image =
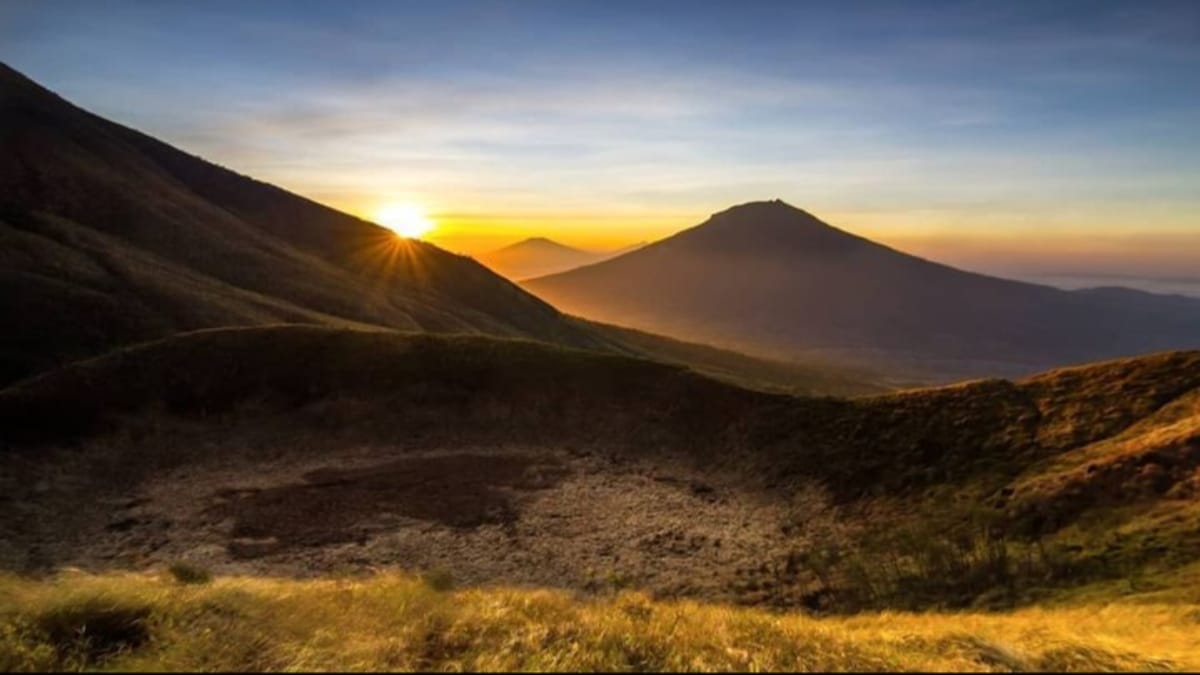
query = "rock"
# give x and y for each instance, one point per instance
(245, 547)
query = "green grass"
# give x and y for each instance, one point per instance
(394, 622)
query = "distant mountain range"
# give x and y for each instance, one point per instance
(539, 256)
(110, 237)
(1169, 285)
(770, 278)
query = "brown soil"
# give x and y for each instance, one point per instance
(331, 505)
(541, 515)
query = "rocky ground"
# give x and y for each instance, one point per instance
(483, 515)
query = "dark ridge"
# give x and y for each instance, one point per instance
(133, 239)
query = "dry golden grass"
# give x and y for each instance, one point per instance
(393, 622)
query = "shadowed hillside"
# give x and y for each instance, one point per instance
(111, 236)
(600, 467)
(769, 278)
(810, 377)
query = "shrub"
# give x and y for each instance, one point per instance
(187, 573)
(933, 563)
(438, 579)
(88, 630)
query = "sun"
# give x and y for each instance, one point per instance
(407, 220)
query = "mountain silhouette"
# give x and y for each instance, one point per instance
(110, 237)
(773, 279)
(537, 256)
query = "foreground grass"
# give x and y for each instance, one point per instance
(391, 622)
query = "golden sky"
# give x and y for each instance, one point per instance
(1066, 240)
(986, 135)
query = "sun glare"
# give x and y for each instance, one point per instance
(406, 220)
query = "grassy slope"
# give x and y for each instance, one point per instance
(1092, 471)
(989, 430)
(813, 378)
(388, 622)
(1069, 477)
(929, 459)
(534, 385)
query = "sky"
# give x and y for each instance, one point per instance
(1042, 137)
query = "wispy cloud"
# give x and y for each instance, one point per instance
(975, 118)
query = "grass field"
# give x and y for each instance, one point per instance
(158, 622)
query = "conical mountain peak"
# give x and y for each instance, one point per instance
(765, 206)
(769, 213)
(769, 277)
(772, 227)
(541, 242)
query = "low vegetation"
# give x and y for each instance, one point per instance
(186, 573)
(942, 563)
(139, 622)
(812, 377)
(989, 494)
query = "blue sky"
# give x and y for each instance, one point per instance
(959, 130)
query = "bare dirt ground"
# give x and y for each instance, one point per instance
(543, 516)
